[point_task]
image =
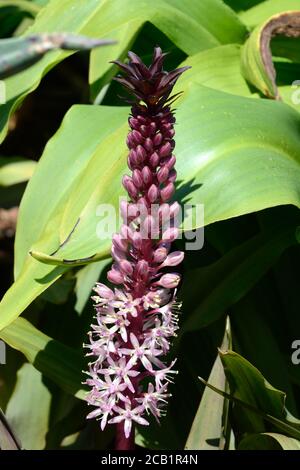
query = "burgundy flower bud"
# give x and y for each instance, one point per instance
(141, 119)
(147, 175)
(154, 160)
(137, 178)
(137, 137)
(134, 123)
(130, 141)
(169, 162)
(148, 144)
(157, 139)
(167, 192)
(124, 210)
(153, 193)
(169, 280)
(152, 128)
(129, 186)
(165, 149)
(133, 159)
(140, 154)
(162, 174)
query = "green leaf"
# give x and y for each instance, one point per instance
(16, 171)
(8, 440)
(269, 441)
(60, 363)
(28, 410)
(185, 24)
(260, 13)
(209, 291)
(206, 432)
(257, 66)
(260, 402)
(217, 68)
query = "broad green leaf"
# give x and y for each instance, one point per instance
(211, 290)
(8, 440)
(264, 10)
(217, 68)
(269, 441)
(248, 385)
(256, 63)
(28, 410)
(191, 26)
(16, 171)
(207, 429)
(60, 363)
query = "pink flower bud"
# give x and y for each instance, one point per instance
(153, 193)
(170, 234)
(173, 259)
(126, 267)
(165, 149)
(169, 280)
(174, 209)
(115, 276)
(164, 212)
(160, 255)
(119, 242)
(162, 174)
(126, 232)
(170, 162)
(129, 186)
(147, 175)
(167, 192)
(172, 176)
(137, 240)
(137, 178)
(117, 254)
(140, 154)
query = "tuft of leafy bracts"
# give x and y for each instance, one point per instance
(136, 320)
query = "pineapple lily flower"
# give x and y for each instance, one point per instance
(136, 320)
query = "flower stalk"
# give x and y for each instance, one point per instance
(136, 320)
